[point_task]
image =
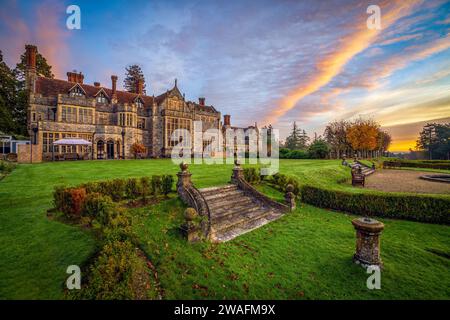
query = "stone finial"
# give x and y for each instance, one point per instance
(238, 172)
(190, 214)
(367, 241)
(289, 197)
(184, 167)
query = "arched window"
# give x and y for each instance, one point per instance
(139, 103)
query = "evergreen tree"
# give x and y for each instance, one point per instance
(8, 93)
(20, 105)
(132, 74)
(319, 149)
(43, 69)
(293, 140)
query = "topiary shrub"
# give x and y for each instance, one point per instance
(69, 201)
(132, 188)
(145, 188)
(166, 184)
(156, 185)
(96, 204)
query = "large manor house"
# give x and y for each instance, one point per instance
(110, 119)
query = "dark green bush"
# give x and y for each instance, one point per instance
(96, 204)
(132, 190)
(252, 175)
(423, 208)
(156, 185)
(116, 274)
(293, 154)
(167, 183)
(279, 181)
(145, 188)
(6, 167)
(444, 165)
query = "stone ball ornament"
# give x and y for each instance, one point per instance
(289, 188)
(184, 166)
(190, 214)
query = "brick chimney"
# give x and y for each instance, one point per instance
(97, 84)
(226, 120)
(31, 52)
(201, 101)
(139, 86)
(30, 72)
(113, 84)
(75, 77)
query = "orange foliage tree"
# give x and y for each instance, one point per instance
(363, 136)
(137, 149)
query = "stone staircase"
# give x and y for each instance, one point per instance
(233, 213)
(365, 170)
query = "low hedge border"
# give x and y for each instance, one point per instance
(419, 164)
(420, 208)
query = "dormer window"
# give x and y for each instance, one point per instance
(76, 92)
(101, 98)
(139, 103)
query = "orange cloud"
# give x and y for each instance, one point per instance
(350, 46)
(44, 30)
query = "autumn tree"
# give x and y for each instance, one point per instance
(132, 74)
(362, 135)
(137, 149)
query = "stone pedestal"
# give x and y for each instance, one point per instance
(184, 176)
(367, 241)
(238, 172)
(190, 229)
(289, 197)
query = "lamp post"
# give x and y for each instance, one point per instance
(35, 130)
(123, 143)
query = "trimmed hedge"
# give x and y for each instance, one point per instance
(441, 164)
(409, 207)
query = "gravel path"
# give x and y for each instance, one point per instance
(404, 181)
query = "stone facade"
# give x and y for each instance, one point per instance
(110, 119)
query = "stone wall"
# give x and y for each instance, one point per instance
(26, 153)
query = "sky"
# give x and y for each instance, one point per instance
(269, 62)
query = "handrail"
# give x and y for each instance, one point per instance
(247, 187)
(200, 206)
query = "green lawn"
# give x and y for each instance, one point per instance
(304, 255)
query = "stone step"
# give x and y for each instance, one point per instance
(230, 193)
(239, 220)
(229, 234)
(218, 216)
(227, 204)
(217, 190)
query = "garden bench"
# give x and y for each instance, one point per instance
(358, 178)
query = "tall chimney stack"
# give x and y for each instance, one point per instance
(201, 101)
(113, 84)
(31, 52)
(139, 86)
(75, 77)
(226, 120)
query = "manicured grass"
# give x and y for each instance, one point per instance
(306, 254)
(309, 250)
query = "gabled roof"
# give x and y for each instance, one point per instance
(53, 87)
